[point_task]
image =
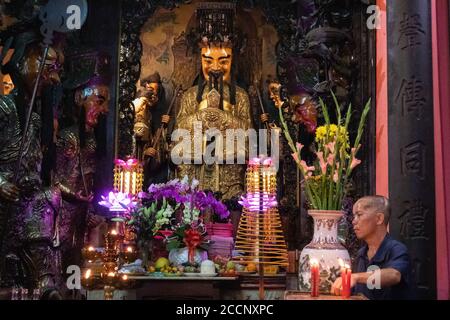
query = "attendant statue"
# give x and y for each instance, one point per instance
(150, 95)
(216, 102)
(302, 105)
(28, 213)
(8, 85)
(76, 165)
(150, 129)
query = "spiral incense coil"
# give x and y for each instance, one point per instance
(260, 237)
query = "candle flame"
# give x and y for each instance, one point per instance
(124, 277)
(129, 249)
(114, 232)
(91, 248)
(347, 267)
(314, 262)
(111, 274)
(341, 262)
(87, 275)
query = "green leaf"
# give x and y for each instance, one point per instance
(338, 109)
(325, 112)
(174, 244)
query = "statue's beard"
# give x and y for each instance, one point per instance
(215, 79)
(216, 82)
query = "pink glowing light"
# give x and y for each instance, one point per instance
(258, 201)
(265, 161)
(118, 201)
(128, 164)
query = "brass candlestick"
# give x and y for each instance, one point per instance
(109, 278)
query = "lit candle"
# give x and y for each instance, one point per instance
(346, 276)
(133, 184)
(130, 249)
(346, 282)
(127, 182)
(89, 253)
(87, 281)
(124, 277)
(110, 278)
(314, 264)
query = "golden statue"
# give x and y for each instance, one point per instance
(217, 103)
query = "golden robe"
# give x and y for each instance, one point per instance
(226, 178)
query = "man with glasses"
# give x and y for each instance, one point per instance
(383, 270)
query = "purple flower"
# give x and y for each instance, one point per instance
(183, 192)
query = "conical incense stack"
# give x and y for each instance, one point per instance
(260, 237)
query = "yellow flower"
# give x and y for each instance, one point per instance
(332, 130)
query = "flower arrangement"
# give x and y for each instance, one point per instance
(173, 211)
(325, 180)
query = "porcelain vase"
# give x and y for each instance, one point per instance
(325, 248)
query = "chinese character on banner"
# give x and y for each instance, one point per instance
(412, 97)
(411, 31)
(413, 220)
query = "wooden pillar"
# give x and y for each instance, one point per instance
(411, 136)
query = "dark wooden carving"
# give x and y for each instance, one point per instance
(411, 150)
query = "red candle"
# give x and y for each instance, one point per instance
(346, 275)
(314, 278)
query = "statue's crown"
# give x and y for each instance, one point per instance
(216, 24)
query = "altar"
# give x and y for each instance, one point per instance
(201, 288)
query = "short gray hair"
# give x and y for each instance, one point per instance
(377, 203)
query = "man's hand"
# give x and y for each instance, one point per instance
(336, 289)
(9, 192)
(95, 220)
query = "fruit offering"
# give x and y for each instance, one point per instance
(163, 267)
(171, 271)
(191, 268)
(251, 267)
(161, 263)
(225, 266)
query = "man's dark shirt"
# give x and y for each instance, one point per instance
(390, 254)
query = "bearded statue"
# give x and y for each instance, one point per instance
(76, 165)
(217, 104)
(28, 211)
